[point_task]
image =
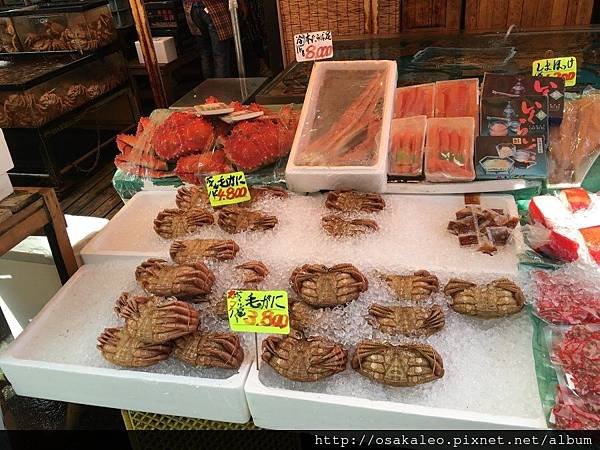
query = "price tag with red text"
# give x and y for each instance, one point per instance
(564, 67)
(227, 188)
(258, 311)
(313, 46)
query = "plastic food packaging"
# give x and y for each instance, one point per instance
(413, 101)
(406, 146)
(449, 149)
(457, 98)
(571, 413)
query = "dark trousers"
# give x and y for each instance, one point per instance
(215, 55)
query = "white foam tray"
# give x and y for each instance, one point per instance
(55, 358)
(412, 234)
(6, 187)
(424, 187)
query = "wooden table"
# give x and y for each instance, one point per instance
(26, 212)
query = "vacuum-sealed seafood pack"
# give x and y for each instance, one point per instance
(407, 144)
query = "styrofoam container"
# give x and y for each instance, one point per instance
(6, 187)
(55, 358)
(6, 162)
(366, 178)
(163, 46)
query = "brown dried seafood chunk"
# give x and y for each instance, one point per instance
(121, 349)
(233, 220)
(417, 286)
(191, 196)
(174, 223)
(500, 298)
(407, 320)
(304, 359)
(253, 272)
(196, 250)
(186, 281)
(397, 365)
(155, 320)
(200, 349)
(321, 286)
(348, 201)
(339, 227)
(302, 316)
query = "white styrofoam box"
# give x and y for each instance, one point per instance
(413, 234)
(56, 358)
(365, 178)
(163, 46)
(6, 187)
(423, 187)
(6, 162)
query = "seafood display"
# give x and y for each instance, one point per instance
(415, 100)
(9, 41)
(181, 134)
(201, 349)
(121, 349)
(253, 272)
(304, 359)
(418, 286)
(186, 281)
(354, 201)
(449, 149)
(190, 196)
(457, 98)
(406, 320)
(397, 365)
(407, 146)
(302, 316)
(339, 227)
(321, 286)
(233, 219)
(196, 250)
(174, 223)
(488, 229)
(499, 298)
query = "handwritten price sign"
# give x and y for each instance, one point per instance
(258, 311)
(313, 46)
(227, 189)
(565, 67)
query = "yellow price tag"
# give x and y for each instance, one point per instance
(564, 67)
(227, 188)
(258, 311)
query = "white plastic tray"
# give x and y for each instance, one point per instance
(56, 358)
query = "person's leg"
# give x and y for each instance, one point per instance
(206, 58)
(221, 50)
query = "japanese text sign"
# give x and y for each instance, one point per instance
(227, 188)
(258, 311)
(313, 46)
(565, 67)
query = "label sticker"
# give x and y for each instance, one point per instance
(213, 109)
(313, 46)
(258, 311)
(564, 67)
(227, 188)
(238, 116)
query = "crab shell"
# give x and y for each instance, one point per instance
(321, 286)
(121, 349)
(199, 349)
(253, 272)
(196, 250)
(186, 281)
(406, 320)
(156, 320)
(180, 134)
(418, 286)
(352, 201)
(339, 227)
(174, 223)
(304, 359)
(397, 365)
(500, 298)
(302, 316)
(235, 220)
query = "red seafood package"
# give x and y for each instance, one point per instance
(457, 98)
(591, 237)
(413, 101)
(576, 199)
(406, 146)
(449, 149)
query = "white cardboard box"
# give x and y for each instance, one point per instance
(6, 187)
(163, 46)
(6, 162)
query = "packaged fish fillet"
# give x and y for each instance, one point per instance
(457, 98)
(449, 149)
(407, 143)
(414, 101)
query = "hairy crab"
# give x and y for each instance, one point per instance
(417, 286)
(186, 281)
(196, 250)
(174, 223)
(253, 272)
(156, 320)
(352, 201)
(304, 359)
(406, 320)
(121, 349)
(302, 316)
(191, 196)
(235, 220)
(339, 227)
(397, 365)
(500, 298)
(201, 349)
(323, 286)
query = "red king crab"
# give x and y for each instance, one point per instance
(397, 365)
(233, 219)
(156, 320)
(187, 281)
(201, 349)
(304, 359)
(323, 286)
(417, 286)
(253, 272)
(180, 134)
(499, 298)
(339, 227)
(174, 223)
(406, 320)
(190, 167)
(351, 201)
(196, 250)
(121, 349)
